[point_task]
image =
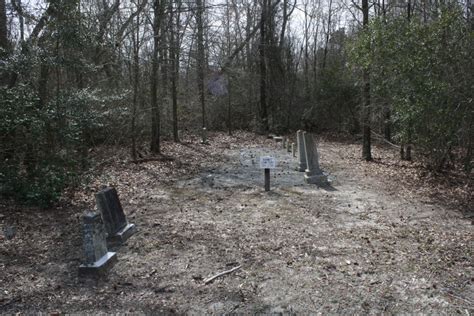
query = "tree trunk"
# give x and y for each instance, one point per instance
(200, 59)
(174, 52)
(229, 49)
(17, 5)
(4, 44)
(155, 110)
(136, 76)
(366, 140)
(387, 127)
(263, 115)
(323, 66)
(306, 53)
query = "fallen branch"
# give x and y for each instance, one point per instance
(162, 158)
(212, 278)
(380, 137)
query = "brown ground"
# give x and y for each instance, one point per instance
(385, 237)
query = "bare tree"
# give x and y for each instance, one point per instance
(263, 114)
(366, 137)
(4, 44)
(135, 35)
(174, 55)
(155, 109)
(201, 60)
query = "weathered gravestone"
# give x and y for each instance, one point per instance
(301, 153)
(283, 144)
(293, 149)
(277, 139)
(313, 173)
(117, 227)
(288, 146)
(97, 259)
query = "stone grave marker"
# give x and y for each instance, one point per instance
(97, 259)
(117, 227)
(278, 139)
(293, 149)
(313, 173)
(301, 152)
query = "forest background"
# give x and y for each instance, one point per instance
(79, 74)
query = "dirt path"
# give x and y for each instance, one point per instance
(356, 247)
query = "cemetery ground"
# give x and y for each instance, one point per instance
(384, 237)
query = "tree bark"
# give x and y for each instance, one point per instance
(263, 115)
(200, 58)
(174, 52)
(136, 76)
(366, 137)
(387, 127)
(229, 48)
(4, 44)
(328, 34)
(19, 9)
(155, 110)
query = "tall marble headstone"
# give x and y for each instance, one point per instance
(97, 259)
(301, 152)
(313, 173)
(117, 227)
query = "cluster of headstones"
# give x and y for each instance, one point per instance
(102, 231)
(308, 157)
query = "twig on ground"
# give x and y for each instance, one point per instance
(212, 278)
(462, 299)
(161, 158)
(380, 137)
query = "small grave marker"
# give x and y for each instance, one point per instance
(97, 259)
(267, 163)
(277, 139)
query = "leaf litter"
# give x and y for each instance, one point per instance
(387, 237)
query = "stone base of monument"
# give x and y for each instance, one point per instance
(319, 179)
(120, 237)
(100, 267)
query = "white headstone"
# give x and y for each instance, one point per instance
(301, 152)
(313, 173)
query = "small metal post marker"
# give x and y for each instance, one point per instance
(267, 179)
(267, 163)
